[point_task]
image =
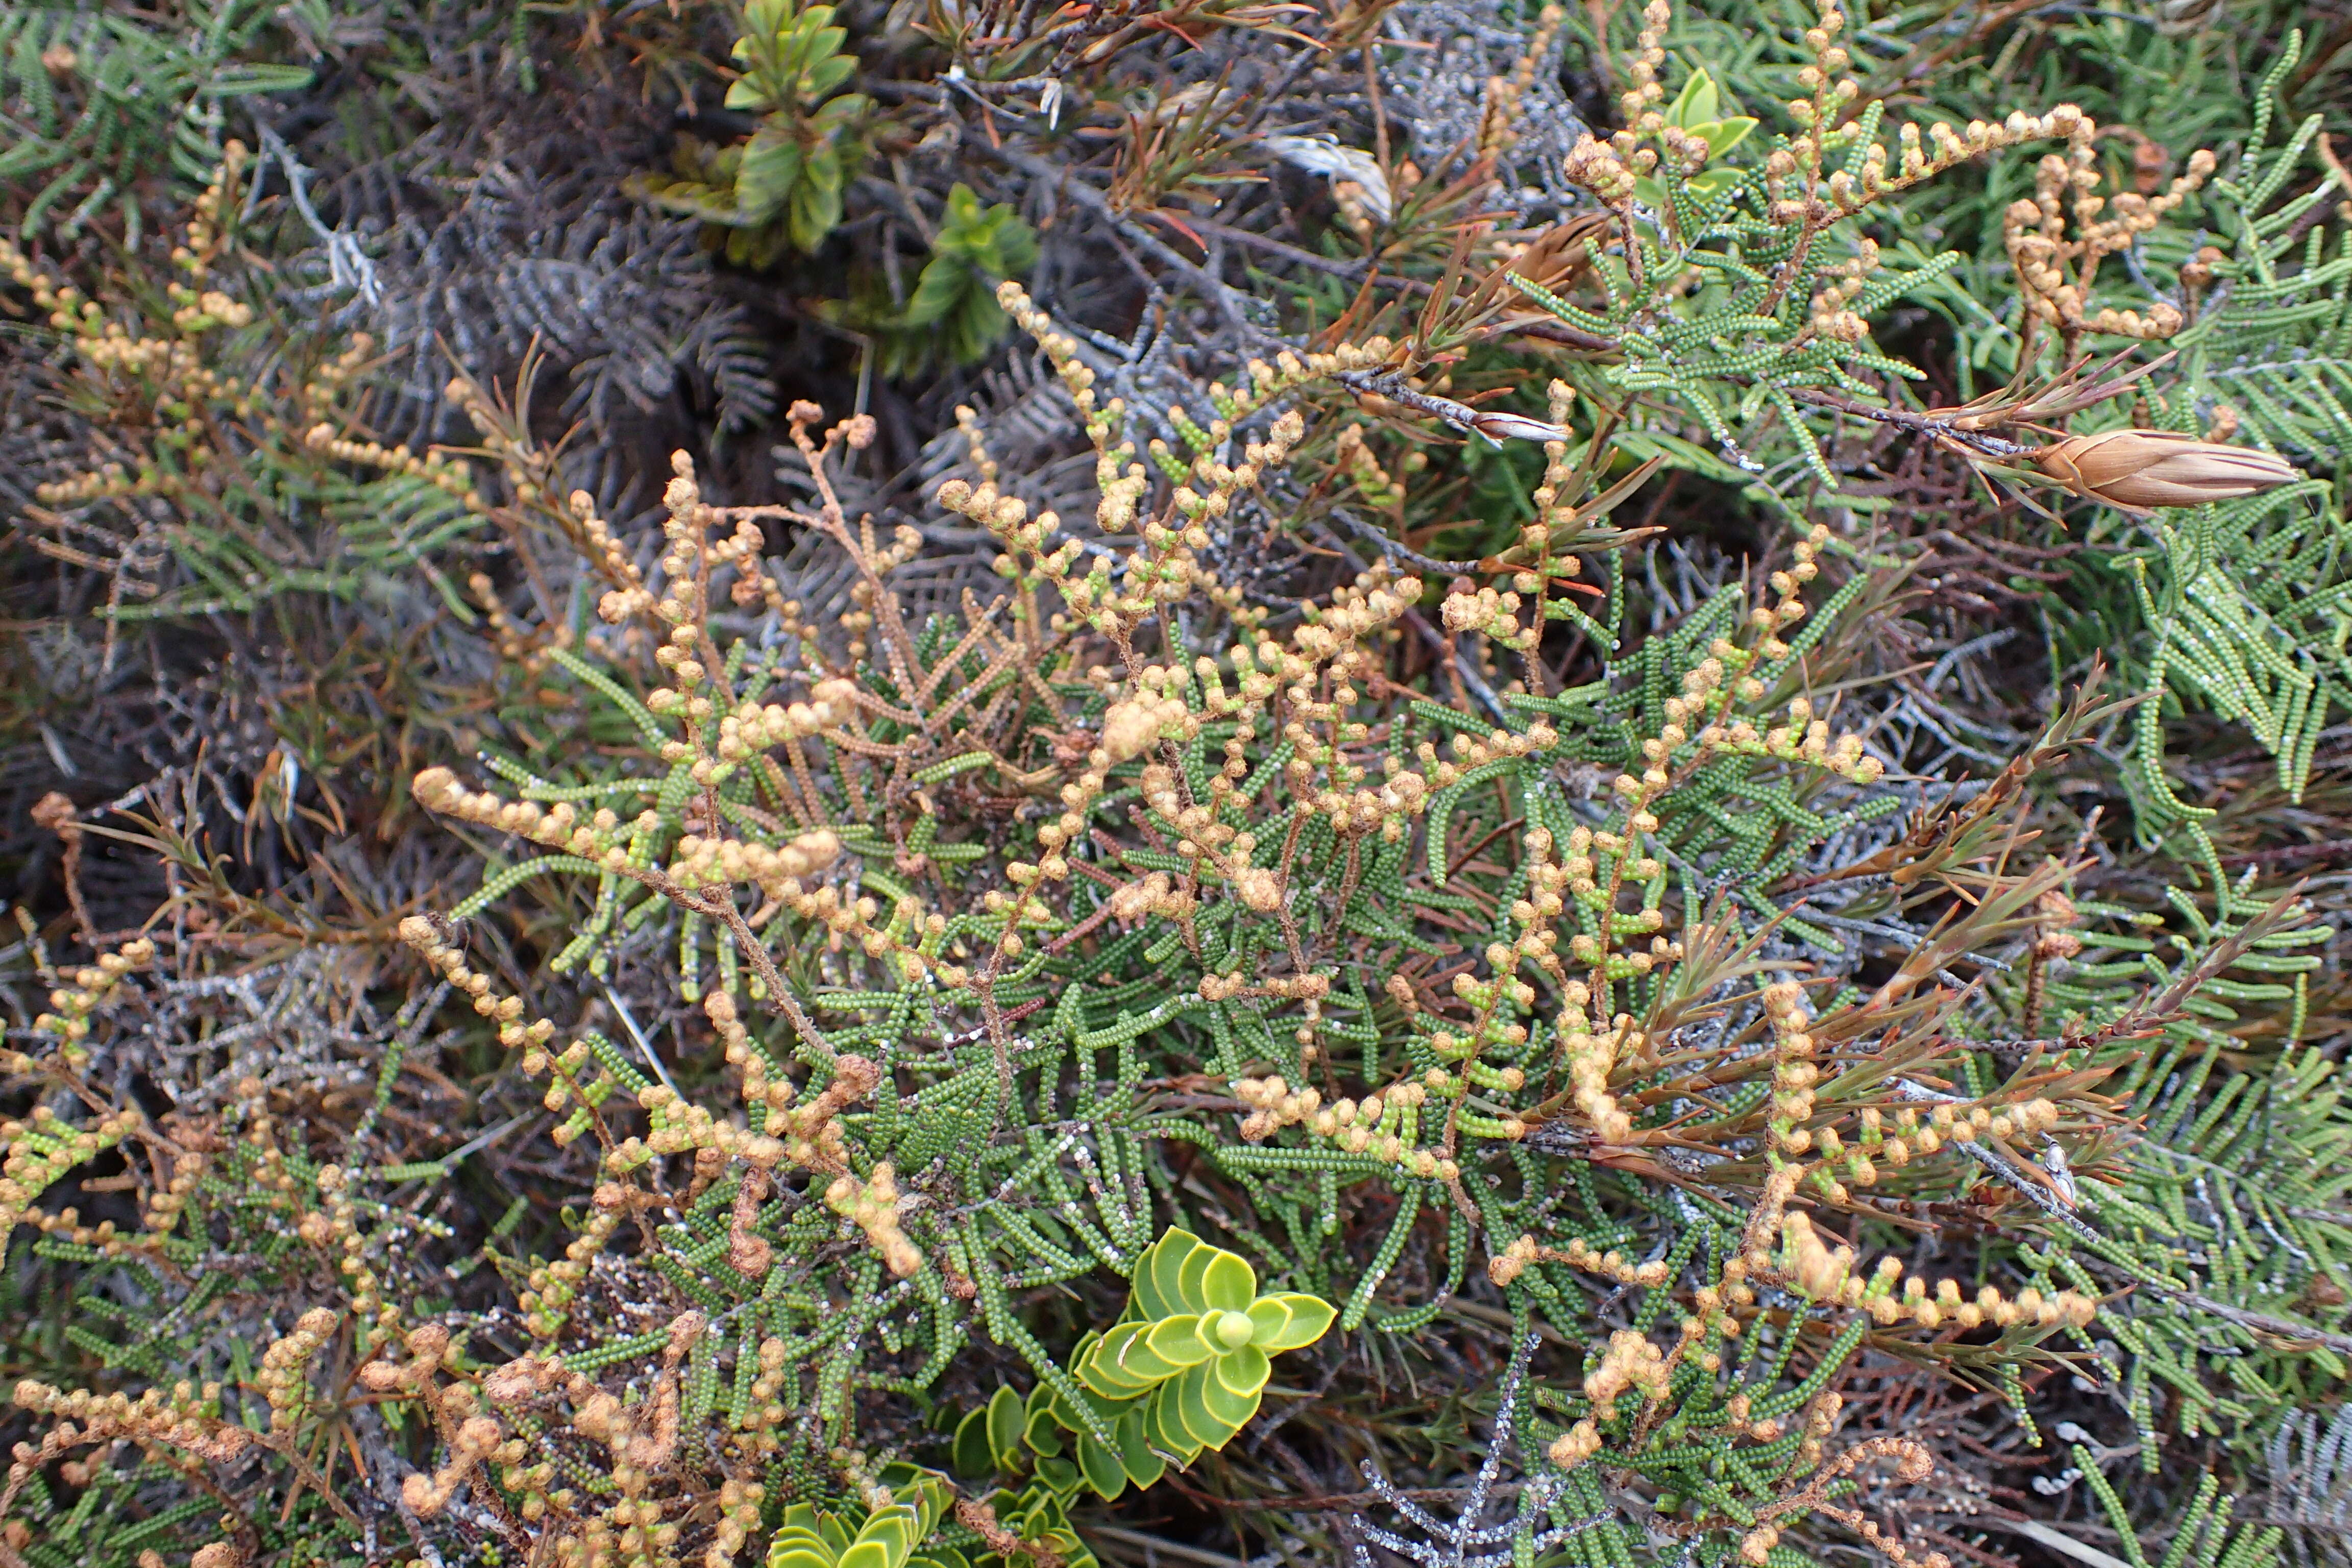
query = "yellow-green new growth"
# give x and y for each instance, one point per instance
(896, 1526)
(1197, 1339)
(785, 183)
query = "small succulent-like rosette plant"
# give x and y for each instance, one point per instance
(1195, 1345)
(1045, 1432)
(1704, 132)
(889, 1537)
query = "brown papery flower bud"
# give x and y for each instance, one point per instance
(2138, 470)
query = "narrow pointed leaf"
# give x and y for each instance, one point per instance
(1722, 135)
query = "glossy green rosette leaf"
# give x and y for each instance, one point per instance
(1192, 1352)
(887, 1537)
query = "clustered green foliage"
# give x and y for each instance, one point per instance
(2249, 602)
(785, 184)
(952, 317)
(1231, 937)
(2246, 600)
